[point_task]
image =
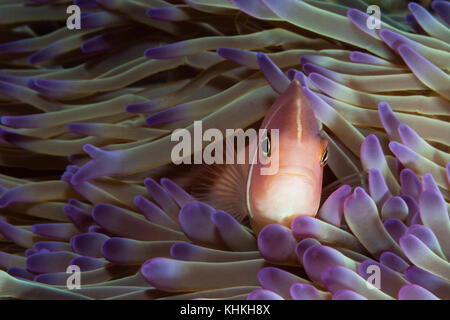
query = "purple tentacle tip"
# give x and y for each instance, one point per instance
(442, 8)
(162, 272)
(415, 292)
(277, 243)
(273, 74)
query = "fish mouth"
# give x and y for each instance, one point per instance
(304, 174)
(292, 173)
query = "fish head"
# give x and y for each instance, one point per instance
(286, 180)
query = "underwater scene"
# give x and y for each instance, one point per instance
(224, 150)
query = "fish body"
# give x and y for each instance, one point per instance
(287, 181)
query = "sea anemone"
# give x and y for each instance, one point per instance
(96, 107)
(404, 235)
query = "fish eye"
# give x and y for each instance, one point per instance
(324, 159)
(265, 145)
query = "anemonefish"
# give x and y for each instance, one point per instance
(295, 188)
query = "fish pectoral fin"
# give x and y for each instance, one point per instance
(223, 187)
